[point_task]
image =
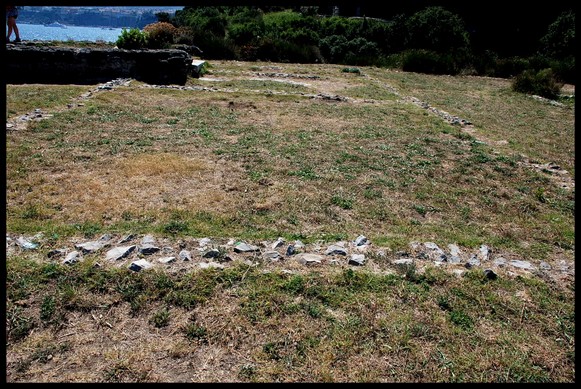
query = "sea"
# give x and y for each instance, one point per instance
(40, 32)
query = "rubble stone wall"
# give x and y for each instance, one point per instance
(68, 65)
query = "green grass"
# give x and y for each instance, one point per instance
(243, 162)
(459, 329)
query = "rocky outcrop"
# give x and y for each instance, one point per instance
(68, 65)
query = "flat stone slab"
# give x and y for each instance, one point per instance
(185, 255)
(148, 249)
(119, 252)
(139, 265)
(526, 265)
(91, 247)
(360, 240)
(336, 249)
(72, 257)
(245, 248)
(307, 259)
(357, 260)
(166, 260)
(272, 255)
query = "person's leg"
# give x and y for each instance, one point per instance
(9, 29)
(16, 32)
(10, 23)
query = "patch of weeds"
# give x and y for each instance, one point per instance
(313, 310)
(420, 209)
(132, 290)
(47, 308)
(247, 371)
(175, 227)
(163, 281)
(88, 229)
(342, 202)
(461, 319)
(351, 70)
(122, 372)
(371, 194)
(306, 173)
(160, 318)
(18, 326)
(295, 285)
(32, 211)
(194, 331)
(444, 303)
(45, 354)
(271, 349)
(540, 195)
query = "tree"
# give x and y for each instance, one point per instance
(436, 29)
(559, 42)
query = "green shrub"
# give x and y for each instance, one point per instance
(160, 35)
(542, 83)
(132, 39)
(429, 62)
(511, 67)
(435, 28)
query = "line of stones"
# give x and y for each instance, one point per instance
(215, 254)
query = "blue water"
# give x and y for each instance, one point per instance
(39, 32)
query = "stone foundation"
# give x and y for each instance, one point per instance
(68, 65)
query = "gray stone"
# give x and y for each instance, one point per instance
(454, 250)
(212, 253)
(148, 249)
(307, 259)
(26, 244)
(544, 266)
(522, 264)
(360, 240)
(272, 255)
(454, 259)
(357, 260)
(209, 265)
(105, 238)
(290, 250)
(139, 265)
(483, 253)
(458, 272)
(336, 249)
(185, 255)
(166, 260)
(72, 257)
(242, 247)
(127, 238)
(119, 252)
(434, 247)
(473, 261)
(500, 262)
(299, 244)
(91, 247)
(205, 242)
(279, 242)
(403, 261)
(56, 253)
(148, 239)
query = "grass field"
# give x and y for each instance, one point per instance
(320, 155)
